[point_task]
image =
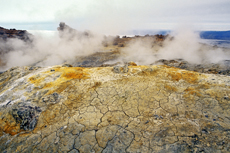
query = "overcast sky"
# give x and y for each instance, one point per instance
(115, 15)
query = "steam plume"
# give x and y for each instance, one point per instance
(46, 51)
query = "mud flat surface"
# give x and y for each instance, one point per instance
(113, 109)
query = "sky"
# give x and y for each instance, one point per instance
(115, 16)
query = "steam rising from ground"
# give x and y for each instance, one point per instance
(140, 51)
(47, 51)
(185, 44)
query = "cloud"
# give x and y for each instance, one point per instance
(116, 15)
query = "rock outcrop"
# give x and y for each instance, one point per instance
(144, 109)
(222, 67)
(13, 33)
(67, 32)
(9, 34)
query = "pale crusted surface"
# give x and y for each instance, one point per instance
(148, 109)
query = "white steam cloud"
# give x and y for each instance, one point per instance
(185, 45)
(46, 51)
(140, 51)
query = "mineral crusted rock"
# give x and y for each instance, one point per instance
(26, 116)
(120, 69)
(146, 109)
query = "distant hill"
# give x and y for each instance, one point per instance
(221, 35)
(146, 32)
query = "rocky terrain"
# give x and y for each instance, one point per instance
(13, 33)
(93, 105)
(113, 50)
(7, 34)
(113, 109)
(222, 67)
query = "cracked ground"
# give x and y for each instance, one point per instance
(147, 109)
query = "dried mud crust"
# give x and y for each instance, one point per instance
(143, 109)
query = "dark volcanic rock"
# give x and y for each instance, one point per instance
(10, 34)
(222, 67)
(26, 116)
(67, 32)
(13, 33)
